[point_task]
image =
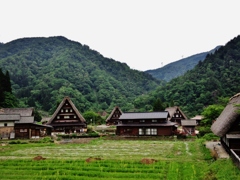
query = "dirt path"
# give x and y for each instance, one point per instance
(216, 146)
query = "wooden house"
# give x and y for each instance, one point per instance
(188, 127)
(175, 114)
(145, 124)
(7, 123)
(113, 118)
(227, 127)
(67, 119)
(27, 128)
(19, 123)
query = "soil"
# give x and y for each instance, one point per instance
(38, 158)
(148, 161)
(88, 160)
(218, 149)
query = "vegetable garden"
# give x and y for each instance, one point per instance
(109, 159)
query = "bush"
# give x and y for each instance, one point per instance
(210, 137)
(18, 142)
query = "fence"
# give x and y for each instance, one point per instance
(234, 153)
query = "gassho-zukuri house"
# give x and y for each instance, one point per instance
(67, 119)
(227, 127)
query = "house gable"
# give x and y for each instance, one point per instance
(176, 115)
(67, 116)
(114, 116)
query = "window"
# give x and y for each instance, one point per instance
(66, 110)
(148, 131)
(71, 110)
(127, 130)
(142, 120)
(154, 131)
(75, 117)
(23, 130)
(140, 131)
(61, 110)
(154, 120)
(151, 131)
(66, 117)
(5, 124)
(58, 117)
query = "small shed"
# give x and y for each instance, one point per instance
(198, 119)
(188, 127)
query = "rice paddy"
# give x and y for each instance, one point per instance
(114, 159)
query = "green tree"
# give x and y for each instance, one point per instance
(92, 118)
(37, 116)
(211, 113)
(158, 105)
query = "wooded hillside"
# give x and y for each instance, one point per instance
(44, 70)
(180, 67)
(216, 77)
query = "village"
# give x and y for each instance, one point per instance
(18, 123)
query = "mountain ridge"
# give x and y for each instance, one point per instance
(179, 67)
(44, 70)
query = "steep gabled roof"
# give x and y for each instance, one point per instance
(115, 108)
(227, 118)
(61, 105)
(21, 111)
(172, 111)
(144, 115)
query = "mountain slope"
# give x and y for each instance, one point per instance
(44, 70)
(179, 67)
(216, 77)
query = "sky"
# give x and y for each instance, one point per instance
(144, 34)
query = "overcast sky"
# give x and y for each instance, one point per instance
(145, 34)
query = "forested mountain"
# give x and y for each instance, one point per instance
(217, 77)
(178, 68)
(44, 70)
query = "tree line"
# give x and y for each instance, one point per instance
(7, 98)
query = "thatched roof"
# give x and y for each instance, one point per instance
(227, 118)
(115, 108)
(61, 105)
(173, 110)
(21, 111)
